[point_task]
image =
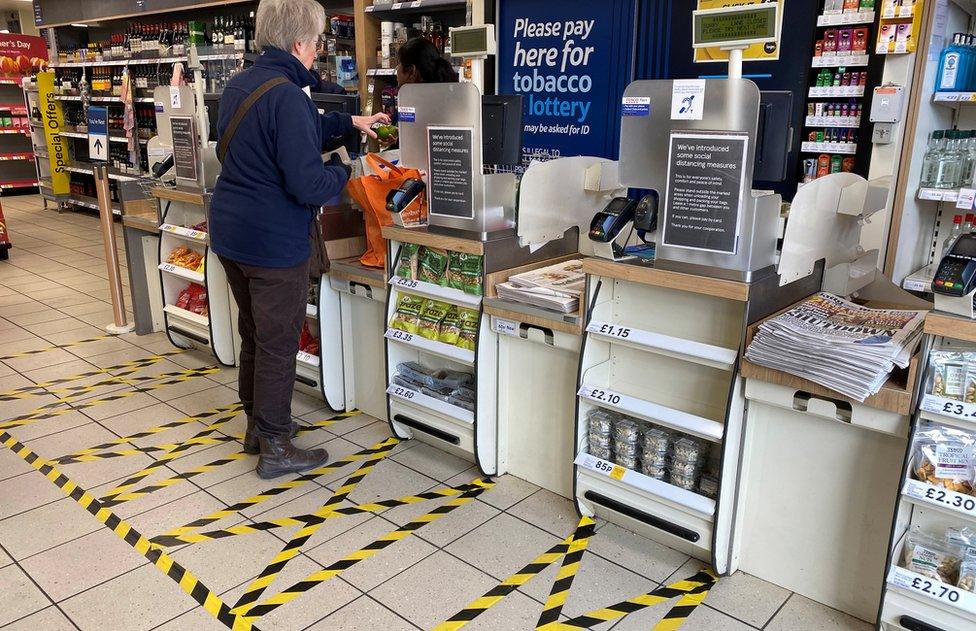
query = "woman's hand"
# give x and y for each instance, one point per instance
(365, 123)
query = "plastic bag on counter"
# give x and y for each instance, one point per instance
(432, 265)
(407, 315)
(407, 264)
(953, 375)
(944, 456)
(431, 317)
(468, 320)
(932, 558)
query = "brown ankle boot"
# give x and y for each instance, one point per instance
(251, 445)
(279, 456)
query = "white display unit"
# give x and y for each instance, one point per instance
(360, 293)
(471, 435)
(214, 332)
(310, 369)
(662, 347)
(922, 217)
(911, 601)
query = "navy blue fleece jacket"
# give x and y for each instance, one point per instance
(273, 176)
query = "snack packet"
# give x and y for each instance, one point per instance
(407, 316)
(407, 264)
(464, 272)
(450, 327)
(967, 571)
(932, 558)
(430, 318)
(432, 264)
(944, 456)
(469, 329)
(949, 372)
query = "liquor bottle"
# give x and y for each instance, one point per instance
(930, 161)
(239, 37)
(217, 34)
(229, 28)
(954, 234)
(949, 162)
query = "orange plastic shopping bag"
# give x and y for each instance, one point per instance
(369, 192)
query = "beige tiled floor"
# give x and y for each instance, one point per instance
(61, 569)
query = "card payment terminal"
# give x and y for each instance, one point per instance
(956, 275)
(608, 223)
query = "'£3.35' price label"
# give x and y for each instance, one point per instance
(406, 283)
(397, 334)
(946, 407)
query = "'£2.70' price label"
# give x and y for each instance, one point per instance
(935, 589)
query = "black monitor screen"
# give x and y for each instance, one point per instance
(501, 129)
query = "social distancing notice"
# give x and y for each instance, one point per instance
(263, 595)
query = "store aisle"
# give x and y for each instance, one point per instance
(61, 568)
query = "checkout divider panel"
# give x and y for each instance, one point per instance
(363, 310)
(332, 350)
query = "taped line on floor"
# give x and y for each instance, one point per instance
(301, 520)
(294, 546)
(682, 609)
(571, 544)
(48, 349)
(75, 392)
(190, 528)
(253, 612)
(699, 584)
(567, 572)
(176, 572)
(128, 368)
(53, 410)
(236, 408)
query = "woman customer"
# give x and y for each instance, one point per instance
(420, 62)
(272, 184)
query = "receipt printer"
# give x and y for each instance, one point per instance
(956, 275)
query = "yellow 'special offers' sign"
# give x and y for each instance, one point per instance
(52, 117)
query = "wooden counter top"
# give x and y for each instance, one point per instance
(187, 196)
(952, 326)
(352, 270)
(421, 236)
(646, 275)
(146, 223)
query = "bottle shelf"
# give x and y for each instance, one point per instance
(381, 72)
(838, 61)
(18, 184)
(938, 194)
(142, 61)
(399, 9)
(920, 280)
(954, 98)
(845, 148)
(90, 203)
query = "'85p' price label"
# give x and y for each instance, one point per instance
(601, 466)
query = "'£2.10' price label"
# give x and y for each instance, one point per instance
(599, 394)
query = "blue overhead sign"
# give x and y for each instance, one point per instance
(98, 133)
(570, 61)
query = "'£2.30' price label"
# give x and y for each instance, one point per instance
(941, 497)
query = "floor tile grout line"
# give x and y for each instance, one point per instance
(773, 617)
(39, 588)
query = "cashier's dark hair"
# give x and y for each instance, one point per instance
(421, 54)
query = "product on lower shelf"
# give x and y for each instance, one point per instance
(193, 298)
(452, 386)
(308, 342)
(944, 456)
(953, 375)
(437, 321)
(457, 270)
(949, 558)
(186, 258)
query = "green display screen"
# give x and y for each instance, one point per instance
(729, 27)
(469, 41)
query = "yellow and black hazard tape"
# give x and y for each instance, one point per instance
(75, 392)
(294, 546)
(685, 606)
(126, 368)
(56, 347)
(567, 572)
(255, 611)
(301, 520)
(173, 481)
(379, 448)
(699, 584)
(54, 410)
(573, 544)
(234, 409)
(189, 583)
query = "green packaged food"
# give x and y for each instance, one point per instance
(469, 329)
(432, 266)
(450, 327)
(407, 265)
(407, 316)
(464, 272)
(431, 317)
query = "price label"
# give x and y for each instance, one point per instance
(307, 358)
(942, 497)
(403, 393)
(601, 466)
(397, 334)
(610, 330)
(955, 409)
(168, 267)
(506, 327)
(397, 6)
(599, 394)
(934, 589)
(966, 198)
(416, 4)
(406, 283)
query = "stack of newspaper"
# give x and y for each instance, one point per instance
(557, 287)
(838, 344)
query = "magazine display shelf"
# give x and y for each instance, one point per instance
(911, 601)
(359, 293)
(215, 332)
(845, 458)
(661, 346)
(481, 435)
(538, 353)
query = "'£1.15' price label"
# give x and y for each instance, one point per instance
(611, 330)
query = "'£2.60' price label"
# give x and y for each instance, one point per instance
(403, 393)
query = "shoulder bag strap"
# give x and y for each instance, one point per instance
(241, 112)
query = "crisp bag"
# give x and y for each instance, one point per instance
(369, 192)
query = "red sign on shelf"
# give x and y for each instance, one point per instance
(22, 55)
